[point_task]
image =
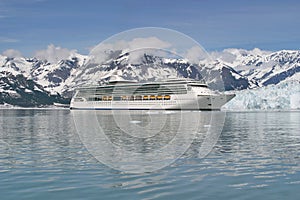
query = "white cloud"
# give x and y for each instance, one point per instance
(8, 40)
(224, 56)
(196, 54)
(105, 51)
(12, 53)
(150, 43)
(54, 54)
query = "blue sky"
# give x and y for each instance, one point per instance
(31, 25)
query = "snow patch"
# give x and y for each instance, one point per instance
(28, 91)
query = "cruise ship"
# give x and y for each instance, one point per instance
(178, 94)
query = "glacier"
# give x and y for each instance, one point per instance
(283, 96)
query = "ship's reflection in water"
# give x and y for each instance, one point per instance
(143, 141)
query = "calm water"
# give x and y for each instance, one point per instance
(256, 156)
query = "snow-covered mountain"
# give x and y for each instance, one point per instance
(264, 67)
(231, 69)
(16, 89)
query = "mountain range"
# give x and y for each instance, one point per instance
(38, 82)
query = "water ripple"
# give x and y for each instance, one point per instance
(257, 155)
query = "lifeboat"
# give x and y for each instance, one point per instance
(159, 97)
(167, 97)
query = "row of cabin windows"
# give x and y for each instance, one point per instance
(131, 98)
(136, 91)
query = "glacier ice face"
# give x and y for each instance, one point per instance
(284, 96)
(295, 100)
